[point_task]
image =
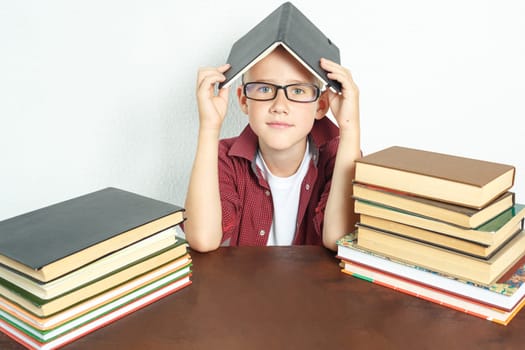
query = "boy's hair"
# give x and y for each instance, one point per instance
(316, 81)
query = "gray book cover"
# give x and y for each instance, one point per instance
(289, 27)
(40, 237)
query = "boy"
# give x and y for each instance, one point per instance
(287, 178)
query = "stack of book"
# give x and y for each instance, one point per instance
(441, 227)
(75, 266)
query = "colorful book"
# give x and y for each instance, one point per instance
(450, 213)
(45, 336)
(494, 232)
(435, 238)
(97, 323)
(459, 180)
(98, 301)
(93, 271)
(43, 308)
(50, 242)
(504, 294)
(433, 295)
(443, 260)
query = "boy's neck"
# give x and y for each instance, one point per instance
(284, 163)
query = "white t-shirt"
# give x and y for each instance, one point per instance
(285, 196)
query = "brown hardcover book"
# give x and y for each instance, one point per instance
(463, 266)
(464, 181)
(50, 242)
(446, 212)
(448, 242)
(493, 232)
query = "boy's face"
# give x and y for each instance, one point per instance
(281, 124)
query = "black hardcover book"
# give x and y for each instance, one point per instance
(288, 27)
(49, 242)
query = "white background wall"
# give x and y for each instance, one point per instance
(101, 93)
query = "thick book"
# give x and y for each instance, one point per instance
(43, 308)
(443, 260)
(504, 294)
(494, 232)
(289, 27)
(435, 238)
(459, 180)
(438, 210)
(29, 342)
(433, 295)
(97, 269)
(96, 302)
(49, 242)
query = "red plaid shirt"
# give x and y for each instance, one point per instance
(247, 209)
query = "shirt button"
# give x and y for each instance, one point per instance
(262, 233)
(307, 187)
(267, 193)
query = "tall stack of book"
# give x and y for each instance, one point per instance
(441, 227)
(75, 266)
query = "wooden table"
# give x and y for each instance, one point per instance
(292, 298)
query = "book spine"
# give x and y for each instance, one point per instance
(284, 23)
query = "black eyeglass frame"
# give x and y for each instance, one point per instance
(284, 88)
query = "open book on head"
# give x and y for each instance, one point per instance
(288, 27)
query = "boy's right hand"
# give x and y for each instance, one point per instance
(212, 108)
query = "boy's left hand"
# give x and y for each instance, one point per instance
(345, 105)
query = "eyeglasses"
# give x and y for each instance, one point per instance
(303, 93)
